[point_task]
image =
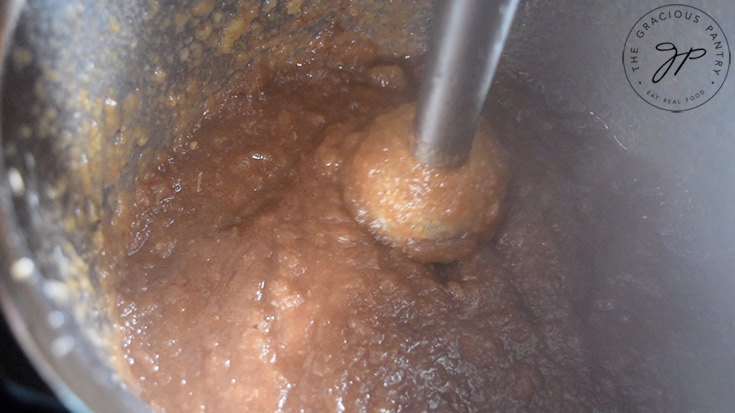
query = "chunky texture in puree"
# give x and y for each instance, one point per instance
(432, 214)
(245, 284)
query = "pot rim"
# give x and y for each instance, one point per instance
(76, 375)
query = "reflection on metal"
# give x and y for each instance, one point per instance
(467, 41)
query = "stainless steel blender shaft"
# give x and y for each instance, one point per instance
(465, 46)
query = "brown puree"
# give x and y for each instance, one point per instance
(245, 284)
(431, 214)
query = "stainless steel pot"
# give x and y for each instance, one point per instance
(91, 90)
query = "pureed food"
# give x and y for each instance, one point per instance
(244, 283)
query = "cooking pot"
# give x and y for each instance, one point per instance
(91, 91)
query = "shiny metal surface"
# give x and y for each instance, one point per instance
(466, 43)
(34, 306)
